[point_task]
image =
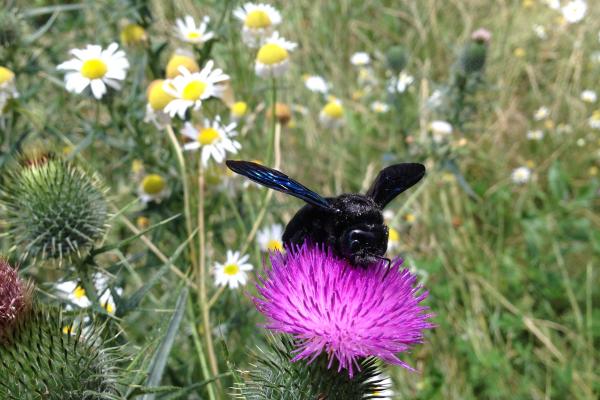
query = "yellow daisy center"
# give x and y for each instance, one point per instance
(132, 34)
(194, 35)
(109, 308)
(194, 90)
(271, 53)
(394, 236)
(239, 108)
(79, 292)
(231, 269)
(274, 245)
(94, 68)
(410, 218)
(153, 184)
(5, 75)
(179, 60)
(208, 136)
(157, 97)
(67, 329)
(333, 109)
(257, 19)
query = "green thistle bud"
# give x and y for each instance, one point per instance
(274, 377)
(41, 359)
(397, 58)
(53, 209)
(473, 57)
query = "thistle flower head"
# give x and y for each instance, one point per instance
(15, 296)
(349, 313)
(53, 209)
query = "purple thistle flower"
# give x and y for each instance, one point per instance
(347, 312)
(15, 296)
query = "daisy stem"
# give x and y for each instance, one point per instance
(186, 192)
(201, 276)
(274, 121)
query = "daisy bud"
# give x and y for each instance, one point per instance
(48, 356)
(133, 34)
(54, 209)
(283, 113)
(181, 59)
(15, 297)
(238, 110)
(339, 313)
(397, 58)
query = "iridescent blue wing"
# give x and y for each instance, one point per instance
(276, 180)
(394, 180)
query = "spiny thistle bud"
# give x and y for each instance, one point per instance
(39, 359)
(53, 209)
(15, 297)
(274, 377)
(397, 58)
(472, 58)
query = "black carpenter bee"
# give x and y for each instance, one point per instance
(351, 223)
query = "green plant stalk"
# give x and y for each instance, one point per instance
(273, 122)
(186, 192)
(198, 345)
(201, 276)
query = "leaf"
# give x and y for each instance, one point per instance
(159, 361)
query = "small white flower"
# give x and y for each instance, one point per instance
(574, 11)
(213, 138)
(74, 294)
(536, 134)
(521, 175)
(316, 83)
(540, 31)
(542, 113)
(8, 89)
(259, 21)
(400, 83)
(580, 142)
(234, 272)
(589, 96)
(269, 238)
(190, 33)
(332, 114)
(95, 68)
(273, 58)
(380, 107)
(190, 89)
(594, 120)
(153, 188)
(360, 58)
(553, 4)
(436, 99)
(440, 130)
(393, 239)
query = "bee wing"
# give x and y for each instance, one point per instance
(276, 180)
(393, 180)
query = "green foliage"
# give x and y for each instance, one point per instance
(41, 359)
(274, 377)
(54, 209)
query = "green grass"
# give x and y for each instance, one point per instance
(512, 270)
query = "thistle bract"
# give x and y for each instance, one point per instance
(41, 359)
(15, 297)
(54, 209)
(396, 58)
(346, 312)
(473, 57)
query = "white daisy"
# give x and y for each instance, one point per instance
(400, 83)
(8, 89)
(96, 68)
(213, 138)
(393, 239)
(542, 113)
(520, 175)
(574, 11)
(74, 293)
(589, 96)
(316, 83)
(190, 33)
(536, 134)
(332, 114)
(380, 107)
(386, 392)
(189, 89)
(360, 58)
(594, 120)
(540, 31)
(440, 130)
(259, 21)
(273, 58)
(553, 4)
(367, 78)
(234, 272)
(269, 238)
(153, 188)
